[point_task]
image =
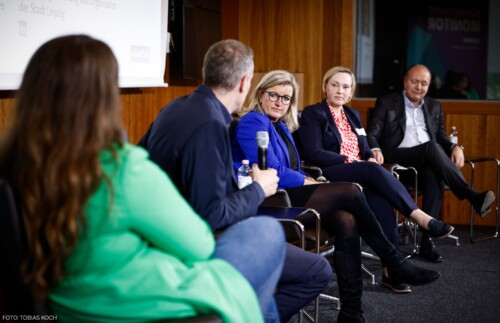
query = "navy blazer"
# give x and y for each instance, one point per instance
(320, 138)
(190, 141)
(387, 124)
(244, 146)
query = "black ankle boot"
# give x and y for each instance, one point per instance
(428, 250)
(408, 273)
(347, 264)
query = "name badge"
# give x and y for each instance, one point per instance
(361, 131)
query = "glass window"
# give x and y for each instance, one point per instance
(454, 38)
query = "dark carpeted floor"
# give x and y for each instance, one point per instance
(468, 289)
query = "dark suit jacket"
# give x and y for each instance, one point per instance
(387, 124)
(190, 141)
(320, 138)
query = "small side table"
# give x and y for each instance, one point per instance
(472, 161)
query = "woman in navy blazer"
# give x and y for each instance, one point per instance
(344, 212)
(334, 139)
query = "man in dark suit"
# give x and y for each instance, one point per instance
(190, 140)
(408, 129)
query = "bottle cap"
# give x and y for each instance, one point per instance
(245, 162)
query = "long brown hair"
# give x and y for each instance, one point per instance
(67, 111)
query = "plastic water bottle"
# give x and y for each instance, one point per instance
(244, 173)
(454, 135)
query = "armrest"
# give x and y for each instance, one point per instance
(279, 199)
(391, 167)
(314, 171)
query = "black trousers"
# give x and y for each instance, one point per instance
(434, 169)
(382, 191)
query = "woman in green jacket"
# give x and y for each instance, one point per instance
(109, 236)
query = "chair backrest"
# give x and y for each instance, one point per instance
(17, 297)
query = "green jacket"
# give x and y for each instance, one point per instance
(147, 255)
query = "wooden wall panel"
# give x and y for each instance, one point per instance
(305, 37)
(6, 109)
(286, 34)
(338, 34)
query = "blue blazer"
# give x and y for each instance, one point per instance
(320, 138)
(244, 146)
(190, 141)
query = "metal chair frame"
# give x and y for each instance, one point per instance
(278, 206)
(472, 161)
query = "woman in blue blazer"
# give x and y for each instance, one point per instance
(345, 213)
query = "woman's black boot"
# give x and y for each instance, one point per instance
(347, 264)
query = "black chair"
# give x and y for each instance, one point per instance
(15, 297)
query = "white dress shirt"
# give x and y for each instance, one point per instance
(416, 130)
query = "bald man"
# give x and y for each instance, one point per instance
(408, 129)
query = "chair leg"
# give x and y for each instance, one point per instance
(369, 273)
(457, 242)
(323, 252)
(369, 255)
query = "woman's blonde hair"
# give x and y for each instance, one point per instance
(339, 69)
(269, 80)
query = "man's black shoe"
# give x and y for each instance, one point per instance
(413, 275)
(438, 229)
(482, 202)
(428, 251)
(394, 285)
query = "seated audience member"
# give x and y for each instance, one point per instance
(190, 140)
(434, 85)
(110, 239)
(466, 88)
(451, 87)
(407, 128)
(344, 211)
(334, 139)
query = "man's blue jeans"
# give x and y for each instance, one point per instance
(256, 248)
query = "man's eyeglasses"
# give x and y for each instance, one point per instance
(285, 99)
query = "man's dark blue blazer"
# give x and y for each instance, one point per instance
(190, 141)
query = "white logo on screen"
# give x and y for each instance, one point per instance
(139, 54)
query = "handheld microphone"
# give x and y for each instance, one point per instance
(262, 139)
